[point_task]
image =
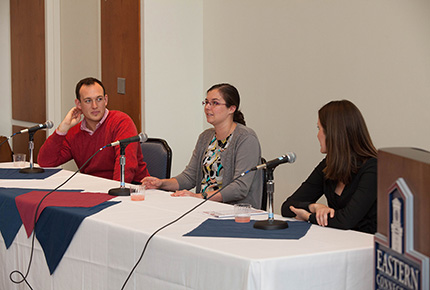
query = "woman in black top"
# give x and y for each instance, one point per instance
(347, 176)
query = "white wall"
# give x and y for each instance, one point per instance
(288, 58)
(80, 46)
(173, 74)
(5, 73)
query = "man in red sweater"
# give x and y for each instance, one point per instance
(98, 128)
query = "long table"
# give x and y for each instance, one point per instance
(108, 244)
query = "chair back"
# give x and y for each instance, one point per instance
(6, 154)
(158, 157)
(264, 195)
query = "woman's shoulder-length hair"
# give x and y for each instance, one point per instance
(348, 140)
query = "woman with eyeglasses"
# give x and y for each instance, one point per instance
(346, 176)
(221, 154)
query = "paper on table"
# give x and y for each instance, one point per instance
(229, 213)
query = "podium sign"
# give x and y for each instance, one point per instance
(402, 242)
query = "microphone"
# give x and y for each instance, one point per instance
(48, 125)
(290, 157)
(142, 137)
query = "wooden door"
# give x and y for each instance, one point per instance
(120, 45)
(27, 25)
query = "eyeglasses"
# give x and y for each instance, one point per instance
(212, 104)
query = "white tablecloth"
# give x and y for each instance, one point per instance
(109, 243)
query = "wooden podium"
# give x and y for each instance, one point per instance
(413, 165)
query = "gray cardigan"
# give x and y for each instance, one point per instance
(242, 154)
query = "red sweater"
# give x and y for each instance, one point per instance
(80, 145)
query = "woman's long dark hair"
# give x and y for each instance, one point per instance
(231, 98)
(348, 140)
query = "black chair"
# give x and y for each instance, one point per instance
(264, 195)
(158, 157)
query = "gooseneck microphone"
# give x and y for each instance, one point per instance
(289, 157)
(142, 137)
(47, 125)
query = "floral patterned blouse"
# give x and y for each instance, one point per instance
(212, 167)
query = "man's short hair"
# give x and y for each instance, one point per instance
(88, 82)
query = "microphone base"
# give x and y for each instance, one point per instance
(271, 225)
(30, 170)
(121, 191)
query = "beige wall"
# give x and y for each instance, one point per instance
(173, 74)
(80, 46)
(288, 58)
(75, 52)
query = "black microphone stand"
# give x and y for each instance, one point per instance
(270, 223)
(122, 190)
(31, 169)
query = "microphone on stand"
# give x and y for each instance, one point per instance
(47, 125)
(289, 157)
(31, 131)
(142, 137)
(269, 166)
(122, 190)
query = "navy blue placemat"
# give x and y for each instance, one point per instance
(231, 229)
(12, 173)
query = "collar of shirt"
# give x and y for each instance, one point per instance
(84, 123)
